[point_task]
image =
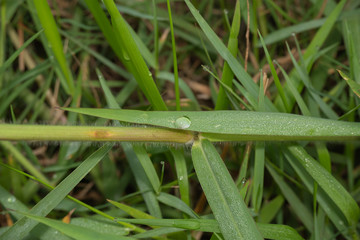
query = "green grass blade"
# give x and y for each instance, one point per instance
(148, 167)
(355, 87)
(205, 225)
(131, 54)
(12, 58)
(297, 205)
(222, 101)
(235, 66)
(258, 180)
(329, 184)
(274, 74)
(182, 174)
(183, 86)
(176, 74)
(53, 37)
(351, 35)
(51, 200)
(176, 203)
(278, 232)
(237, 124)
(135, 213)
(323, 32)
(224, 199)
(74, 231)
(300, 101)
(269, 211)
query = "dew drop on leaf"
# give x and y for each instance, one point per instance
(182, 122)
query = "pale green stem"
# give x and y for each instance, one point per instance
(92, 133)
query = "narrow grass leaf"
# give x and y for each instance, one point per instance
(53, 37)
(274, 74)
(205, 225)
(173, 45)
(74, 231)
(235, 66)
(182, 174)
(300, 101)
(329, 184)
(135, 213)
(351, 34)
(355, 87)
(183, 86)
(236, 125)
(269, 210)
(297, 205)
(278, 232)
(51, 200)
(13, 56)
(315, 44)
(327, 204)
(258, 180)
(222, 101)
(148, 167)
(269, 231)
(324, 31)
(131, 54)
(222, 194)
(158, 232)
(176, 203)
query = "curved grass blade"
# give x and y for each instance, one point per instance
(237, 125)
(132, 55)
(235, 66)
(51, 200)
(74, 231)
(269, 231)
(355, 87)
(182, 175)
(177, 203)
(53, 37)
(328, 183)
(12, 58)
(222, 194)
(222, 102)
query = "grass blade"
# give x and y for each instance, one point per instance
(237, 125)
(51, 200)
(53, 37)
(224, 199)
(222, 101)
(258, 180)
(329, 184)
(74, 231)
(355, 87)
(131, 54)
(182, 174)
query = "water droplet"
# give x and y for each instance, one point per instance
(11, 199)
(181, 178)
(182, 122)
(150, 74)
(126, 56)
(243, 181)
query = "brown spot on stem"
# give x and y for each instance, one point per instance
(101, 134)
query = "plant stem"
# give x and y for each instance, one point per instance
(92, 133)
